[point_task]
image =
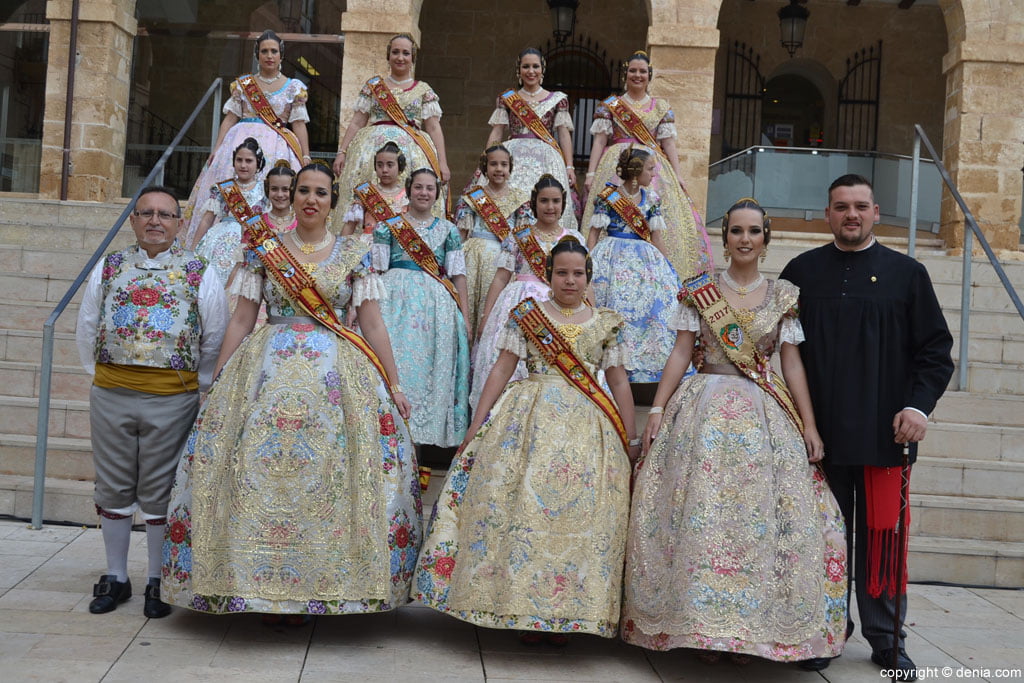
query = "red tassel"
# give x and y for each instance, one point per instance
(884, 556)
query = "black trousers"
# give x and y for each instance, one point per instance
(876, 614)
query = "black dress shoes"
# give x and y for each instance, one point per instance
(155, 608)
(109, 593)
(816, 664)
(906, 670)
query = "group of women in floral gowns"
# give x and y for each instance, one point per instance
(297, 490)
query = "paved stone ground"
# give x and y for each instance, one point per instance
(46, 578)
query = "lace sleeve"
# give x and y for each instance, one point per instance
(380, 252)
(665, 130)
(562, 116)
(684, 319)
(601, 218)
(248, 282)
(455, 263)
(600, 126)
(511, 338)
(234, 104)
(367, 287)
(791, 331)
(431, 105)
(499, 117)
(364, 102)
(354, 214)
(615, 353)
(506, 258)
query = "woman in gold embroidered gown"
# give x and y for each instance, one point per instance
(480, 245)
(371, 126)
(535, 157)
(287, 97)
(529, 530)
(297, 490)
(735, 543)
(686, 239)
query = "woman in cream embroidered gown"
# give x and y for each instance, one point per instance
(480, 245)
(736, 543)
(685, 238)
(547, 203)
(534, 157)
(297, 489)
(371, 127)
(287, 97)
(529, 529)
(426, 326)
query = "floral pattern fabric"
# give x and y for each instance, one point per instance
(288, 102)
(735, 542)
(529, 529)
(297, 489)
(686, 238)
(428, 333)
(632, 277)
(150, 316)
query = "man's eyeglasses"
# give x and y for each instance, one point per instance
(149, 213)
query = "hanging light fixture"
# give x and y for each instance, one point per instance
(563, 18)
(792, 24)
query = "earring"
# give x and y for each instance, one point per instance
(727, 254)
(764, 254)
(635, 185)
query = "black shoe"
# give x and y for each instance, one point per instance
(155, 608)
(816, 664)
(906, 670)
(109, 593)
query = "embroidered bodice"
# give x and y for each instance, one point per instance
(514, 206)
(288, 101)
(596, 342)
(511, 258)
(656, 115)
(607, 218)
(441, 236)
(553, 111)
(418, 101)
(771, 322)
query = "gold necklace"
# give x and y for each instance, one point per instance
(569, 312)
(742, 290)
(282, 221)
(307, 248)
(546, 236)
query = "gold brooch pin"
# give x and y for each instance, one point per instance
(874, 279)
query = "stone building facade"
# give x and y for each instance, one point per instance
(956, 66)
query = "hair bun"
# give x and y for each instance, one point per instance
(282, 163)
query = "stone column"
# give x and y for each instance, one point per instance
(99, 119)
(683, 60)
(982, 138)
(368, 25)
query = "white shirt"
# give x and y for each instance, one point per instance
(213, 314)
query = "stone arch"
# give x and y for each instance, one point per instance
(822, 79)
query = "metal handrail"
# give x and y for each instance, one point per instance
(974, 231)
(46, 365)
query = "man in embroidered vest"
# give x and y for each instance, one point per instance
(149, 331)
(877, 354)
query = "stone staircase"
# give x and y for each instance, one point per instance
(968, 502)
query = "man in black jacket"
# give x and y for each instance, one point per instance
(877, 354)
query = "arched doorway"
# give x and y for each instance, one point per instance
(793, 112)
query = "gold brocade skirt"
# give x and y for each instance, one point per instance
(297, 488)
(480, 269)
(686, 240)
(735, 541)
(529, 529)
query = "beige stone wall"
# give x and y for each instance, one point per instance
(913, 44)
(100, 113)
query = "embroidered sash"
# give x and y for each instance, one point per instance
(627, 210)
(282, 266)
(525, 113)
(261, 105)
(387, 101)
(533, 253)
(705, 296)
(558, 353)
(489, 211)
(419, 251)
(374, 202)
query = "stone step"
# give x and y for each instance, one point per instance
(65, 500)
(22, 379)
(995, 378)
(984, 321)
(959, 441)
(971, 478)
(989, 519)
(38, 287)
(993, 348)
(964, 561)
(961, 407)
(53, 261)
(30, 314)
(66, 458)
(54, 214)
(68, 417)
(27, 346)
